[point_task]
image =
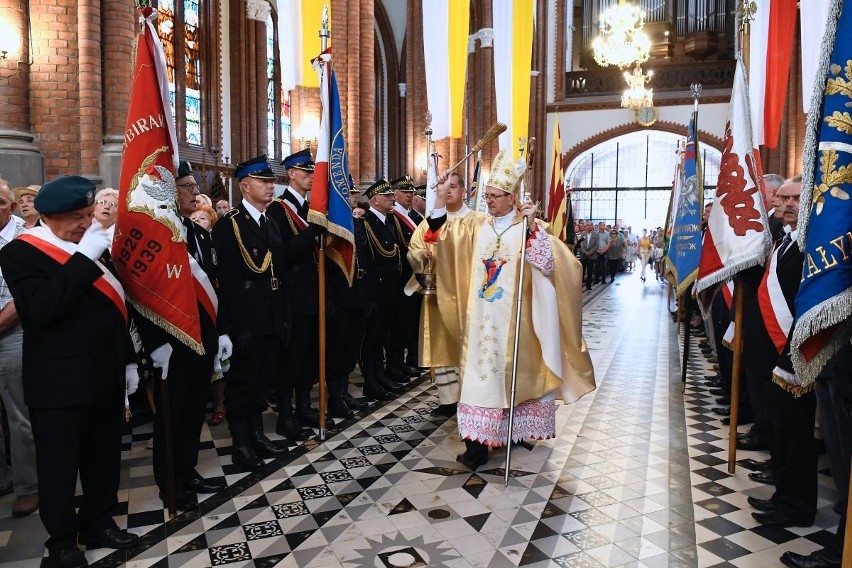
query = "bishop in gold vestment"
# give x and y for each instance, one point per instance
(477, 265)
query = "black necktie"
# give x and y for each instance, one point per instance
(262, 222)
(191, 241)
(785, 244)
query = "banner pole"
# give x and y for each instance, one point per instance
(737, 346)
(324, 35)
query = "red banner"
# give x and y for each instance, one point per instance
(150, 250)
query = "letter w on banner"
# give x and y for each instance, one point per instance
(150, 247)
(330, 193)
(824, 301)
(736, 237)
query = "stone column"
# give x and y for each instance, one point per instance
(89, 81)
(20, 160)
(119, 30)
(366, 91)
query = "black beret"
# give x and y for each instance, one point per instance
(65, 193)
(301, 160)
(184, 169)
(404, 183)
(420, 191)
(380, 187)
(256, 167)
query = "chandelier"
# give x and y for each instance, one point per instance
(622, 40)
(637, 95)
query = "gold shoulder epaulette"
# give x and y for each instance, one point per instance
(231, 213)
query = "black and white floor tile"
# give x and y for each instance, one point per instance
(635, 477)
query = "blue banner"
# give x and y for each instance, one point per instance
(824, 300)
(685, 244)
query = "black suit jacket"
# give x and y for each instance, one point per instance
(415, 216)
(300, 253)
(403, 236)
(759, 352)
(76, 342)
(249, 305)
(384, 271)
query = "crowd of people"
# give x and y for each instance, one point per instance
(606, 250)
(62, 304)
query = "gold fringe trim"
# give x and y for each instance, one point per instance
(168, 327)
(796, 390)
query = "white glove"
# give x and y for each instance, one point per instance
(226, 348)
(95, 241)
(131, 378)
(160, 358)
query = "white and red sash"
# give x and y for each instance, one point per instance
(204, 289)
(773, 306)
(290, 209)
(404, 218)
(107, 284)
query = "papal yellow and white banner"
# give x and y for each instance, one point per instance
(299, 22)
(514, 23)
(445, 31)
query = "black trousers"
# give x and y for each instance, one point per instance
(375, 339)
(253, 368)
(834, 398)
(186, 385)
(793, 451)
(83, 439)
(614, 264)
(589, 269)
(344, 333)
(759, 385)
(299, 360)
(402, 340)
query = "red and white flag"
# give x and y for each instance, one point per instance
(737, 236)
(771, 50)
(149, 249)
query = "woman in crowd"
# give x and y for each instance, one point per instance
(204, 216)
(614, 254)
(644, 252)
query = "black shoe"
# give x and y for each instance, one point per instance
(753, 443)
(200, 485)
(307, 417)
(713, 383)
(243, 457)
(775, 519)
(290, 429)
(823, 558)
(445, 411)
(475, 455)
(389, 385)
(265, 448)
(588, 287)
(413, 372)
(376, 392)
(184, 500)
(764, 505)
(756, 465)
(68, 558)
(112, 537)
(396, 375)
(742, 420)
(765, 477)
(339, 409)
(721, 411)
(353, 402)
(719, 392)
(724, 400)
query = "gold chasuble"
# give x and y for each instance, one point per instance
(477, 261)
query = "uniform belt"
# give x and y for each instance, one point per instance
(257, 284)
(360, 273)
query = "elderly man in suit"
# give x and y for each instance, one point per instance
(77, 366)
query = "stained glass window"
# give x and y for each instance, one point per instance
(184, 17)
(277, 109)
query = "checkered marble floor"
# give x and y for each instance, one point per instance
(634, 478)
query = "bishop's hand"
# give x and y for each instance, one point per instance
(528, 210)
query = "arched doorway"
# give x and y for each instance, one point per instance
(627, 180)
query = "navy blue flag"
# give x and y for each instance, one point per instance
(685, 244)
(824, 302)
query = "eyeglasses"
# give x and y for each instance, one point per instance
(192, 184)
(493, 196)
(107, 204)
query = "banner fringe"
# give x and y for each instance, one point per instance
(834, 311)
(814, 121)
(173, 330)
(796, 390)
